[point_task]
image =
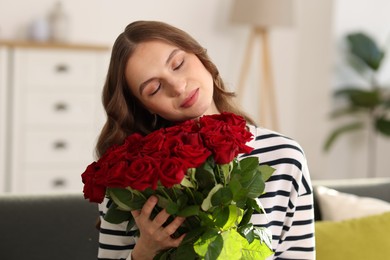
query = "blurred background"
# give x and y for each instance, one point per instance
(306, 65)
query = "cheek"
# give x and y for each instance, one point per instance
(160, 106)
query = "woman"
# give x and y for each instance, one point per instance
(159, 75)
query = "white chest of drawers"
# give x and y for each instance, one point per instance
(55, 115)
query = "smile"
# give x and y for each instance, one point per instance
(191, 99)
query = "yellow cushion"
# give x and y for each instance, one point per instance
(360, 238)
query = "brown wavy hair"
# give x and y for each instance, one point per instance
(125, 113)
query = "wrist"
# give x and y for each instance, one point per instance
(140, 253)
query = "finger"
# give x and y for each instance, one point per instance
(161, 217)
(174, 225)
(135, 213)
(176, 242)
(148, 206)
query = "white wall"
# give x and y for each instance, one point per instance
(349, 156)
(301, 56)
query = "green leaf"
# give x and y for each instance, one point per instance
(163, 202)
(227, 217)
(249, 164)
(182, 201)
(221, 216)
(209, 245)
(184, 251)
(350, 110)
(205, 177)
(383, 126)
(192, 210)
(214, 249)
(125, 199)
(264, 235)
(256, 250)
(361, 98)
(253, 182)
(247, 217)
(386, 103)
(131, 224)
(254, 204)
(172, 208)
(341, 130)
(206, 204)
(117, 216)
(225, 169)
(247, 231)
(223, 196)
(266, 171)
(365, 48)
(193, 235)
(236, 188)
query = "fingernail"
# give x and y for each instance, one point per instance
(153, 199)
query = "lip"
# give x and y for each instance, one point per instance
(190, 99)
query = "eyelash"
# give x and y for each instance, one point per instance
(179, 66)
(159, 85)
(157, 89)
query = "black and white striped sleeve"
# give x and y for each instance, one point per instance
(288, 198)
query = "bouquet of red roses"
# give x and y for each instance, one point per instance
(193, 169)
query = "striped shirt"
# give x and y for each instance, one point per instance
(288, 202)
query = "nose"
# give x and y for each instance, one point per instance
(176, 86)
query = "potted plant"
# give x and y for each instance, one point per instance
(367, 106)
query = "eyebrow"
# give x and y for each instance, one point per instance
(145, 83)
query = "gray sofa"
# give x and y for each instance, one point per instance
(375, 188)
(43, 227)
(62, 226)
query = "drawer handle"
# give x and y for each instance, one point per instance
(61, 106)
(60, 145)
(62, 68)
(59, 183)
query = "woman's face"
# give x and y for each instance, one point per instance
(170, 82)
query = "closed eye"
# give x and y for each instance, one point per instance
(179, 66)
(156, 90)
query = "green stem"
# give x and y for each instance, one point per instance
(191, 194)
(166, 194)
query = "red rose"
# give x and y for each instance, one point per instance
(191, 150)
(189, 126)
(94, 180)
(133, 144)
(225, 143)
(223, 147)
(143, 173)
(172, 172)
(116, 175)
(228, 118)
(153, 142)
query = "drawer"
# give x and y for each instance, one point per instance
(52, 180)
(58, 147)
(51, 69)
(60, 109)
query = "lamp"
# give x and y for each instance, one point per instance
(261, 15)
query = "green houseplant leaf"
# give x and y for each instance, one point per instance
(383, 126)
(341, 130)
(365, 48)
(360, 97)
(372, 101)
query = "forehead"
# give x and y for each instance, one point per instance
(150, 51)
(146, 59)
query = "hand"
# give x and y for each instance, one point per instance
(153, 236)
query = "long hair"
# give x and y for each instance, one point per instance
(125, 113)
